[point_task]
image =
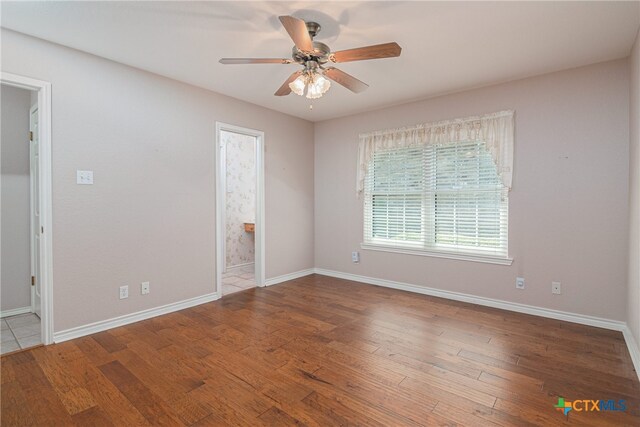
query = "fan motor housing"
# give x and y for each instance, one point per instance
(320, 54)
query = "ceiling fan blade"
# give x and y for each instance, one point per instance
(346, 80)
(298, 32)
(285, 89)
(386, 50)
(255, 61)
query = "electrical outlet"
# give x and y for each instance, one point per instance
(144, 288)
(84, 177)
(556, 288)
(355, 256)
(519, 282)
(124, 291)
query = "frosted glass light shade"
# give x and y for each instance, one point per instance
(318, 86)
(314, 85)
(298, 85)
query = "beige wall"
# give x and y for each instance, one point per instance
(568, 206)
(150, 214)
(634, 193)
(15, 264)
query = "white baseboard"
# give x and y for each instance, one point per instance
(290, 276)
(236, 267)
(634, 350)
(126, 319)
(616, 325)
(15, 311)
(599, 322)
(488, 302)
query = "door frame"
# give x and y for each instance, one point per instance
(220, 160)
(32, 211)
(43, 89)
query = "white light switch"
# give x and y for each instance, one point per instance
(84, 177)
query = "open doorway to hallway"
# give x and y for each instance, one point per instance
(20, 284)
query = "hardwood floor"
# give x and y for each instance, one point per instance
(323, 351)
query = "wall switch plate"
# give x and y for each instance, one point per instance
(519, 282)
(84, 177)
(556, 288)
(355, 256)
(124, 291)
(144, 288)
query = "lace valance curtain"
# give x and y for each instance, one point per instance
(496, 130)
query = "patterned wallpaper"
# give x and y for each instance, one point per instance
(241, 197)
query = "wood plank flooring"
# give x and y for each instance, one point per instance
(320, 351)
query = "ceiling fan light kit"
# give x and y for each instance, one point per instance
(317, 86)
(313, 80)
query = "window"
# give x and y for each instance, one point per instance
(443, 198)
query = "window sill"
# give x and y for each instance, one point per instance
(448, 255)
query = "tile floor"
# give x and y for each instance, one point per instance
(21, 331)
(238, 279)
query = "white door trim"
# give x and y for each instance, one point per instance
(46, 246)
(32, 211)
(221, 203)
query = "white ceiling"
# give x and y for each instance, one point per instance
(447, 46)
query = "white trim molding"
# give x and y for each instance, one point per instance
(439, 254)
(582, 319)
(634, 350)
(46, 210)
(289, 276)
(15, 311)
(239, 266)
(103, 325)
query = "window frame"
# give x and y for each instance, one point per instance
(427, 245)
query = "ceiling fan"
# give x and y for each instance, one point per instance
(313, 79)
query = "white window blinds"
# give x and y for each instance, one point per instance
(441, 197)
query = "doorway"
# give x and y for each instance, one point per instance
(239, 209)
(20, 306)
(25, 257)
